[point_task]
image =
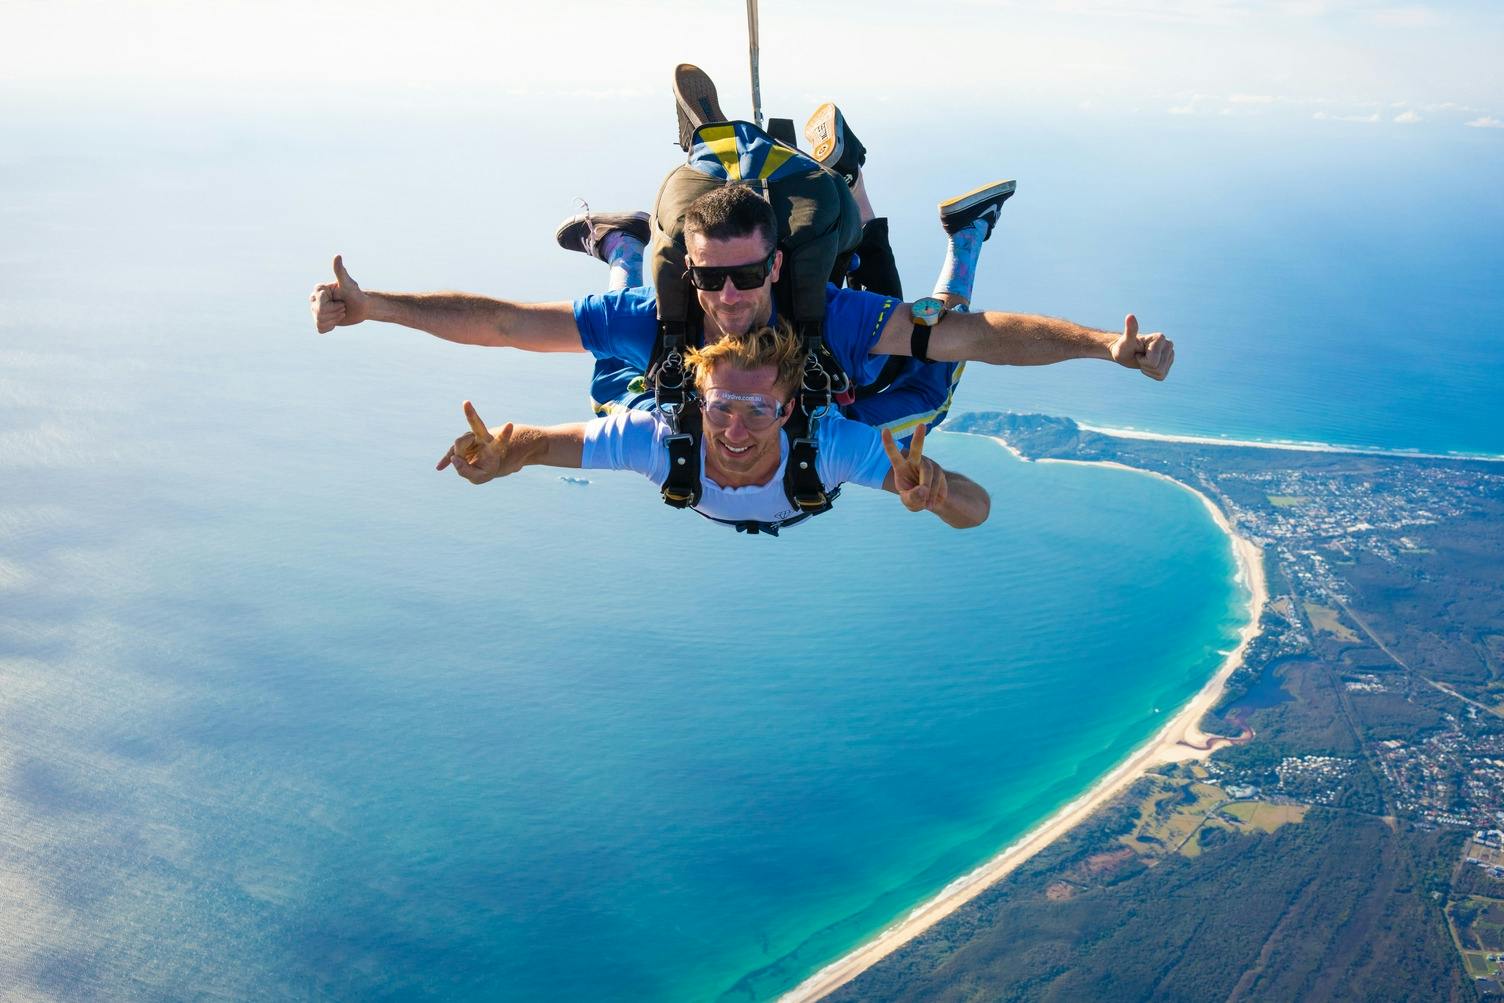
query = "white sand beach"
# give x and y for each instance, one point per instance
(1305, 447)
(1180, 739)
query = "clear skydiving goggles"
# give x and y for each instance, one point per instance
(758, 412)
(744, 277)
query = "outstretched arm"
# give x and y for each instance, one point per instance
(459, 317)
(481, 455)
(921, 483)
(1022, 339)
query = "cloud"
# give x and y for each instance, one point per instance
(1326, 109)
(1324, 117)
(1486, 122)
(1407, 17)
(1226, 104)
(1195, 104)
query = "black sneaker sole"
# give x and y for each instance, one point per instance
(963, 210)
(695, 101)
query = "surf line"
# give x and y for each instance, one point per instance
(1180, 739)
(1299, 447)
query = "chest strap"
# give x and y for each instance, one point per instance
(753, 527)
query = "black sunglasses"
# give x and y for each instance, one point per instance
(744, 277)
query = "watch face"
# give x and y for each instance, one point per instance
(928, 311)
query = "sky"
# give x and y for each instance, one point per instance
(1192, 162)
(1343, 61)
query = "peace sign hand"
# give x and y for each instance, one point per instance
(920, 483)
(479, 456)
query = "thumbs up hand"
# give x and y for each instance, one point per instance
(338, 303)
(1151, 354)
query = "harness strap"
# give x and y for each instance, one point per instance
(674, 398)
(801, 481)
(682, 487)
(892, 369)
(752, 527)
(667, 373)
(801, 474)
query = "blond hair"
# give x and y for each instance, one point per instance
(777, 346)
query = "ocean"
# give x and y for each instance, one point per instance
(285, 713)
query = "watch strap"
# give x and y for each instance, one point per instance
(919, 343)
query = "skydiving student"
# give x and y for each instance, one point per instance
(918, 393)
(746, 399)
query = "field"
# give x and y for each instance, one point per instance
(1487, 854)
(1325, 619)
(1266, 817)
(1477, 924)
(1175, 818)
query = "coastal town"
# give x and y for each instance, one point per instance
(1362, 734)
(1315, 526)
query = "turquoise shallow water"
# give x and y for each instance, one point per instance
(357, 749)
(285, 712)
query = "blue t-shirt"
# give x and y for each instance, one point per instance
(624, 325)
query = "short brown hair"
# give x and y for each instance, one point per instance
(777, 346)
(731, 211)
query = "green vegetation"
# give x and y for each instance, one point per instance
(1323, 910)
(1384, 716)
(1343, 873)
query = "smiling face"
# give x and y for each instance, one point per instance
(736, 455)
(729, 311)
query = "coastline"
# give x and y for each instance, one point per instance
(1180, 739)
(1303, 447)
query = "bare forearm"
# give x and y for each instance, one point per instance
(1017, 339)
(549, 446)
(468, 319)
(966, 504)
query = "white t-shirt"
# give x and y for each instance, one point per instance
(633, 440)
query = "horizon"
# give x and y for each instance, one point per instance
(1330, 60)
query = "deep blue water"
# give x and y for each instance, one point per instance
(287, 713)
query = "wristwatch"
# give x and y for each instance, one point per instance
(927, 313)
